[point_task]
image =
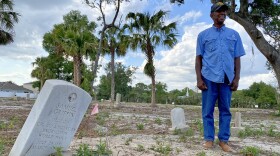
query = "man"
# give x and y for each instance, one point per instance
(217, 68)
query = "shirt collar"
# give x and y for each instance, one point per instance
(219, 29)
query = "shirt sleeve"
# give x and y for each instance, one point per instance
(199, 46)
(239, 49)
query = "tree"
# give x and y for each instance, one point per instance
(72, 38)
(41, 71)
(114, 43)
(123, 79)
(100, 5)
(51, 67)
(148, 32)
(263, 94)
(264, 14)
(161, 93)
(7, 19)
(140, 93)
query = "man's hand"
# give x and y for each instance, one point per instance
(201, 85)
(234, 84)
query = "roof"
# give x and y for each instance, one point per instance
(10, 86)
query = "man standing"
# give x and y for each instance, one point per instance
(217, 68)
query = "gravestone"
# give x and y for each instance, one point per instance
(237, 125)
(27, 96)
(118, 100)
(53, 120)
(237, 119)
(178, 119)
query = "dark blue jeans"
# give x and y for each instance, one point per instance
(222, 93)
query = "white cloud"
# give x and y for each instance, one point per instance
(176, 67)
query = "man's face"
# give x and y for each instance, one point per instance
(218, 17)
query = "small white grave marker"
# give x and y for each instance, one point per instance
(118, 100)
(178, 119)
(237, 125)
(53, 120)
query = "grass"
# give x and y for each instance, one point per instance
(250, 151)
(101, 118)
(201, 154)
(140, 148)
(158, 121)
(250, 132)
(101, 150)
(115, 131)
(140, 126)
(128, 140)
(2, 147)
(162, 148)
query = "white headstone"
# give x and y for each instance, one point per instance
(178, 119)
(53, 120)
(237, 119)
(118, 100)
(27, 96)
(237, 125)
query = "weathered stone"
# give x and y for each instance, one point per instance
(53, 120)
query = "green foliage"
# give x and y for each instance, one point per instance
(201, 154)
(177, 131)
(199, 126)
(148, 32)
(7, 19)
(158, 121)
(2, 147)
(128, 140)
(72, 38)
(161, 92)
(58, 151)
(252, 151)
(101, 118)
(265, 95)
(162, 148)
(102, 149)
(140, 93)
(84, 150)
(53, 66)
(140, 126)
(115, 130)
(248, 132)
(140, 148)
(123, 77)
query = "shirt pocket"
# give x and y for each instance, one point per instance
(210, 44)
(231, 44)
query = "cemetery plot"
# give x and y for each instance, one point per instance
(135, 129)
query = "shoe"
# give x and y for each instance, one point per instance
(225, 147)
(208, 144)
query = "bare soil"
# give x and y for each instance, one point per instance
(138, 129)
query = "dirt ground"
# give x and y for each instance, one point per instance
(137, 129)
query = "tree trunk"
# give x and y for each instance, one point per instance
(153, 100)
(113, 74)
(77, 60)
(272, 55)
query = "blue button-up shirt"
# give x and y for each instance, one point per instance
(218, 48)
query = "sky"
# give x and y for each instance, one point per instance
(174, 66)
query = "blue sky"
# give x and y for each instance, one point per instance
(175, 66)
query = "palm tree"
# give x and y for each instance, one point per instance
(148, 32)
(72, 38)
(7, 19)
(114, 44)
(41, 70)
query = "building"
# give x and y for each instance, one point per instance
(30, 87)
(10, 89)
